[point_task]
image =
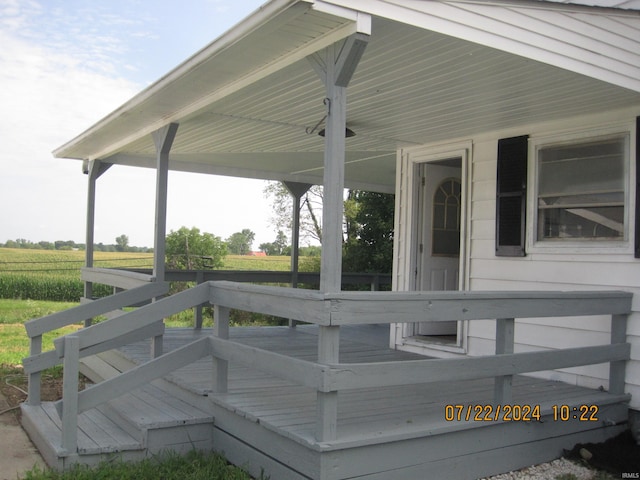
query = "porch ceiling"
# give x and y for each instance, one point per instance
(243, 103)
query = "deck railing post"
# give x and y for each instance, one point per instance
(220, 383)
(617, 369)
(157, 345)
(505, 334)
(70, 393)
(327, 402)
(198, 309)
(35, 378)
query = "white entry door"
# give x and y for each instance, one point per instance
(438, 229)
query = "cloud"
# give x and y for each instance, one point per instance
(48, 96)
(61, 71)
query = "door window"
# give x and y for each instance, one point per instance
(446, 219)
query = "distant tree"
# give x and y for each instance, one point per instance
(122, 243)
(11, 244)
(369, 243)
(240, 243)
(278, 247)
(310, 210)
(311, 251)
(191, 250)
(46, 245)
(65, 244)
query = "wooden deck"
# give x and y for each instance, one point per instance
(265, 423)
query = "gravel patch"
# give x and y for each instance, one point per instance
(548, 471)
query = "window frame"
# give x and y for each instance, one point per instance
(595, 246)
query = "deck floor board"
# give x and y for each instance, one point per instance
(365, 413)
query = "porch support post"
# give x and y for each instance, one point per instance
(71, 365)
(297, 190)
(220, 367)
(335, 67)
(327, 402)
(505, 335)
(617, 369)
(163, 139)
(94, 169)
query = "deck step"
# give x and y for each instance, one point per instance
(98, 436)
(149, 409)
(143, 422)
(97, 370)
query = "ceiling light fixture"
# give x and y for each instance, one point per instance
(347, 132)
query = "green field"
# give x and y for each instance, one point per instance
(35, 283)
(54, 275)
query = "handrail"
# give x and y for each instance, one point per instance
(374, 280)
(95, 308)
(119, 278)
(352, 308)
(330, 311)
(137, 319)
(38, 361)
(385, 374)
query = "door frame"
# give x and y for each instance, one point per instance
(415, 159)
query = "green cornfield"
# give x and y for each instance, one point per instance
(54, 275)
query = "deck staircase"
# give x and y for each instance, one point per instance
(275, 400)
(139, 424)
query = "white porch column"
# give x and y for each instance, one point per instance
(94, 170)
(297, 190)
(335, 67)
(163, 139)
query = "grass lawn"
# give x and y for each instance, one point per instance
(19, 311)
(193, 466)
(14, 343)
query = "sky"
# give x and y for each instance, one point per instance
(65, 64)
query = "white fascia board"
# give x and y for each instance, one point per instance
(269, 12)
(226, 40)
(361, 19)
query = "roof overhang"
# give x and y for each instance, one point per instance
(433, 70)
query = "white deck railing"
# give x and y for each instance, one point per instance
(330, 311)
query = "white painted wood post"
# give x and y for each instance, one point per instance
(220, 382)
(71, 370)
(163, 139)
(335, 68)
(35, 378)
(89, 239)
(505, 334)
(297, 190)
(327, 402)
(617, 370)
(95, 170)
(198, 309)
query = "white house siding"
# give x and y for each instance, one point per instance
(564, 270)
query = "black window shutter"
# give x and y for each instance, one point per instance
(637, 213)
(511, 196)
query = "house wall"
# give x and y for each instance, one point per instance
(562, 268)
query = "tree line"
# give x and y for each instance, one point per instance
(71, 245)
(367, 234)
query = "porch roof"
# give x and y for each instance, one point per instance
(432, 71)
